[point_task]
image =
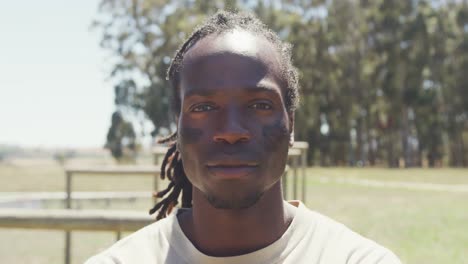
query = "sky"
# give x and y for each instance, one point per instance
(53, 88)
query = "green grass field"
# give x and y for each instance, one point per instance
(420, 226)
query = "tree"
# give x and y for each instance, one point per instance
(381, 81)
(121, 139)
(63, 156)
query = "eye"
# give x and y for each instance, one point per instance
(203, 108)
(261, 106)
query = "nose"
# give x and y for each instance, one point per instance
(231, 130)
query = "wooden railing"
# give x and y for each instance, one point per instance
(152, 171)
(70, 219)
(74, 220)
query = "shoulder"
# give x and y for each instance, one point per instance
(343, 245)
(140, 247)
(102, 259)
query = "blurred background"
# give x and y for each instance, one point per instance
(383, 114)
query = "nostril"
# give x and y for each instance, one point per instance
(244, 139)
(231, 138)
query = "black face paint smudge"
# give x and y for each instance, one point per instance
(275, 135)
(190, 135)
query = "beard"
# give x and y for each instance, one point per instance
(233, 203)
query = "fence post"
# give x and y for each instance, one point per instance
(68, 189)
(304, 173)
(68, 206)
(295, 177)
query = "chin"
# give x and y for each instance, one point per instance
(233, 203)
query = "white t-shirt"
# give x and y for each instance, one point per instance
(310, 238)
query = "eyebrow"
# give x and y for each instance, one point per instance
(260, 88)
(200, 93)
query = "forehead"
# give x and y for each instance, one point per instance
(236, 41)
(234, 58)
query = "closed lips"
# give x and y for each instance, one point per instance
(232, 171)
(232, 166)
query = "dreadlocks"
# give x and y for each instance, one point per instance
(221, 22)
(172, 168)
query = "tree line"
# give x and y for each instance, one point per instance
(383, 82)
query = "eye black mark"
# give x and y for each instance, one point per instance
(275, 135)
(190, 135)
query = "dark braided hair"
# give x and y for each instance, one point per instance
(222, 21)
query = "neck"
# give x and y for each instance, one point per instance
(225, 232)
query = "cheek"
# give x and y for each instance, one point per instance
(275, 135)
(188, 143)
(189, 135)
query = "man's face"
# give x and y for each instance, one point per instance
(233, 127)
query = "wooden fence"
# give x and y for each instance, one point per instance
(74, 220)
(70, 219)
(152, 171)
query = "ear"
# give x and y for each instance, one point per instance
(291, 128)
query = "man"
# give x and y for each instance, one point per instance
(235, 95)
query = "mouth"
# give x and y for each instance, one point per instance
(232, 171)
